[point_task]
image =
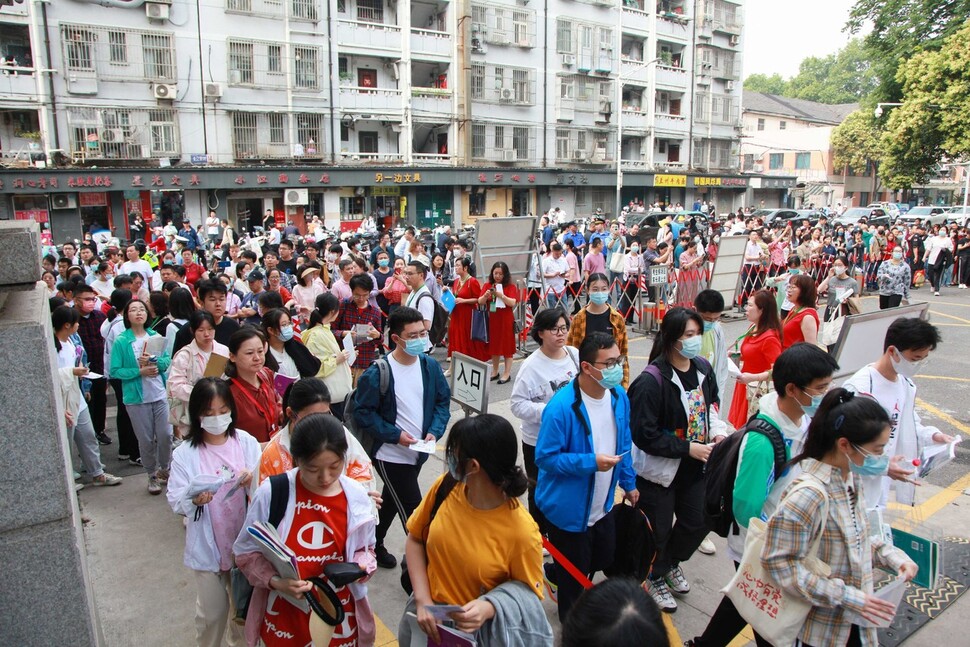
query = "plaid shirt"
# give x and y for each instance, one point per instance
(845, 546)
(89, 330)
(350, 315)
(577, 333)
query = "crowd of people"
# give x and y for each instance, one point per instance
(301, 385)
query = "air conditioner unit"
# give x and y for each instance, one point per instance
(508, 155)
(579, 155)
(156, 11)
(64, 201)
(213, 90)
(568, 60)
(735, 39)
(111, 135)
(296, 197)
(507, 95)
(729, 85)
(165, 91)
(478, 45)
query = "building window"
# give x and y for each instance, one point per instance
(478, 80)
(78, 43)
(305, 67)
(117, 47)
(520, 142)
(520, 28)
(370, 11)
(274, 59)
(367, 142)
(478, 17)
(564, 37)
(163, 132)
(157, 50)
(776, 161)
(498, 141)
(562, 144)
(782, 125)
(277, 129)
(803, 161)
(761, 124)
(303, 10)
(309, 133)
(240, 62)
(520, 85)
(478, 141)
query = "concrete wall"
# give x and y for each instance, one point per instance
(45, 593)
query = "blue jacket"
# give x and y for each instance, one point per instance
(379, 415)
(567, 463)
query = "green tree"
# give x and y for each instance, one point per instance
(901, 28)
(774, 84)
(843, 77)
(856, 142)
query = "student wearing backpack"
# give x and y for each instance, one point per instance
(756, 472)
(674, 422)
(414, 406)
(420, 298)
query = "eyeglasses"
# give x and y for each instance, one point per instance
(559, 330)
(616, 361)
(421, 335)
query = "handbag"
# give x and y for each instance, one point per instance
(774, 613)
(755, 393)
(831, 328)
(480, 324)
(617, 262)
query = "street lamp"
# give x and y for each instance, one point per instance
(878, 112)
(619, 131)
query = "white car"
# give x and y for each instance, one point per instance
(928, 215)
(959, 215)
(889, 207)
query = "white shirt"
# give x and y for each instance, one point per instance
(103, 288)
(424, 306)
(287, 365)
(67, 357)
(141, 266)
(538, 379)
(274, 236)
(553, 265)
(212, 225)
(152, 388)
(409, 397)
(604, 442)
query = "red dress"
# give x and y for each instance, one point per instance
(758, 354)
(460, 325)
(501, 324)
(792, 333)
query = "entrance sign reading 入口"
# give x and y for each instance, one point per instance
(469, 383)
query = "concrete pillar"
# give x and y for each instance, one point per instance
(45, 592)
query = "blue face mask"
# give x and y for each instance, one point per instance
(612, 377)
(709, 326)
(690, 346)
(871, 465)
(415, 347)
(812, 408)
(383, 262)
(599, 298)
(286, 333)
(452, 461)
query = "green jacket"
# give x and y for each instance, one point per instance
(124, 366)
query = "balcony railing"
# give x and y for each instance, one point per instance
(672, 77)
(432, 159)
(673, 28)
(635, 18)
(367, 35)
(375, 99)
(17, 82)
(634, 119)
(664, 121)
(372, 158)
(431, 100)
(427, 42)
(662, 164)
(634, 71)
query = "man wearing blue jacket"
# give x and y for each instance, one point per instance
(414, 406)
(582, 453)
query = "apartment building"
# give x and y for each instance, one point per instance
(427, 111)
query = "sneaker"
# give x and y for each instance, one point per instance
(707, 547)
(936, 294)
(103, 438)
(78, 487)
(135, 461)
(106, 479)
(123, 457)
(551, 587)
(963, 286)
(384, 558)
(154, 487)
(661, 595)
(162, 476)
(676, 581)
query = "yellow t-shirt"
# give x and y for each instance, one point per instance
(472, 551)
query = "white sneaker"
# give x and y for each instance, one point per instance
(707, 547)
(963, 287)
(661, 595)
(676, 580)
(936, 294)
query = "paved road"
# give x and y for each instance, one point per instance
(146, 596)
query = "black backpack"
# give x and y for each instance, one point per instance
(636, 548)
(364, 436)
(722, 469)
(439, 322)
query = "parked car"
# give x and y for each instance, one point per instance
(705, 224)
(769, 216)
(890, 208)
(873, 215)
(797, 217)
(959, 215)
(931, 215)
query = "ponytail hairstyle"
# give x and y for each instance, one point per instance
(490, 440)
(61, 316)
(119, 299)
(672, 328)
(305, 393)
(325, 304)
(858, 418)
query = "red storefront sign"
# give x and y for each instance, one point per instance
(37, 215)
(93, 199)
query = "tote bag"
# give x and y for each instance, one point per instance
(480, 324)
(777, 615)
(831, 328)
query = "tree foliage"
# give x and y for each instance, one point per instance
(856, 142)
(843, 77)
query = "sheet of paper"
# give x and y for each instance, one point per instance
(92, 376)
(216, 365)
(424, 446)
(349, 346)
(936, 456)
(891, 593)
(733, 370)
(204, 483)
(155, 345)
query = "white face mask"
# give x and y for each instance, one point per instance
(905, 367)
(216, 425)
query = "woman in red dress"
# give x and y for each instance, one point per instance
(501, 296)
(760, 347)
(467, 290)
(801, 324)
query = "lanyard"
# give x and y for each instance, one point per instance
(748, 333)
(793, 313)
(267, 416)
